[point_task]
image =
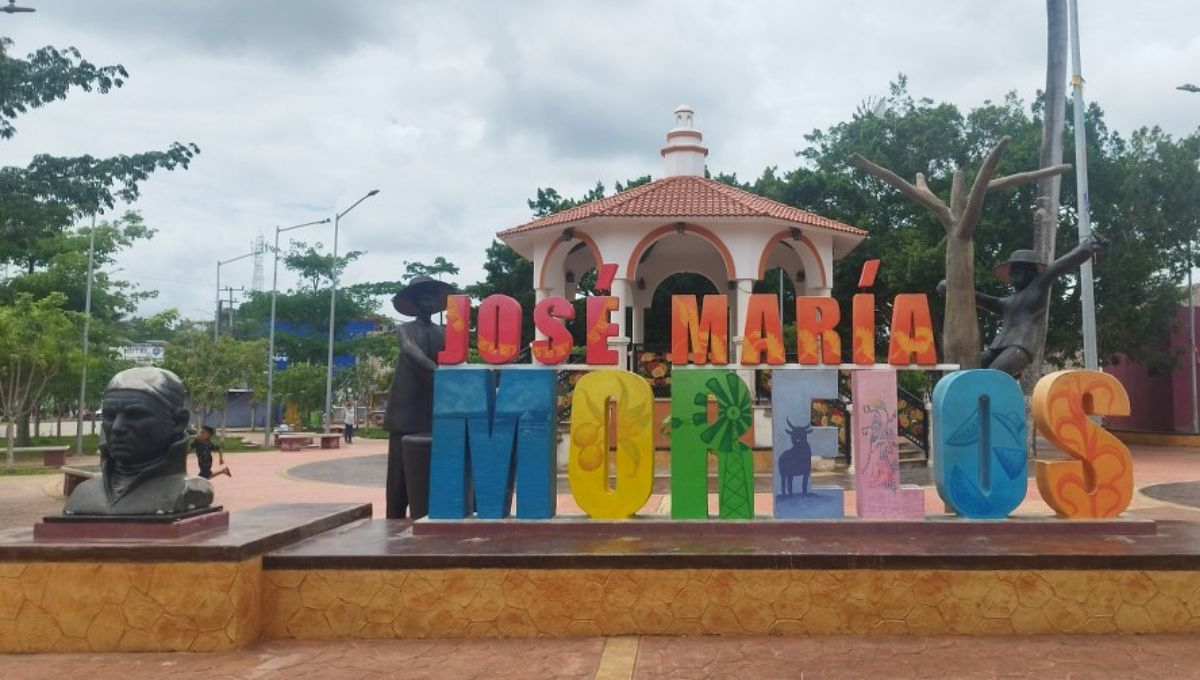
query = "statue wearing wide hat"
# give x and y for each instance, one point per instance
(143, 451)
(1022, 312)
(410, 399)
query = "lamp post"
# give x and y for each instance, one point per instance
(87, 319)
(217, 320)
(1191, 293)
(267, 423)
(332, 306)
(1090, 358)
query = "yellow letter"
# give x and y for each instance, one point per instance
(591, 447)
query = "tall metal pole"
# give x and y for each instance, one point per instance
(267, 425)
(87, 319)
(1090, 360)
(332, 306)
(268, 419)
(1192, 340)
(217, 318)
(337, 217)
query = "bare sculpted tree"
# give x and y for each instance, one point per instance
(960, 329)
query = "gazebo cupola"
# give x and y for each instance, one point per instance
(682, 222)
(684, 153)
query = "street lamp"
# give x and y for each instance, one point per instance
(87, 319)
(12, 8)
(332, 305)
(1188, 87)
(217, 325)
(267, 424)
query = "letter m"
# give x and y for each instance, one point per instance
(493, 430)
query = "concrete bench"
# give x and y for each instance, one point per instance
(294, 441)
(74, 476)
(331, 440)
(52, 456)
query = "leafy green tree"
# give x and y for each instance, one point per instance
(315, 266)
(436, 270)
(303, 384)
(210, 368)
(45, 197)
(38, 340)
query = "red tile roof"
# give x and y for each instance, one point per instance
(685, 196)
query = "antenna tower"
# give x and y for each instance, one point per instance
(260, 247)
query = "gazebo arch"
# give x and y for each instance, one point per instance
(558, 253)
(805, 250)
(680, 228)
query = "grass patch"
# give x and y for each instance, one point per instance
(372, 433)
(27, 470)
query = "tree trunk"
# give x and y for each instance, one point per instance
(57, 419)
(960, 329)
(1045, 229)
(23, 430)
(8, 438)
(253, 416)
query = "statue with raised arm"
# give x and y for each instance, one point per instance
(410, 399)
(143, 451)
(1021, 313)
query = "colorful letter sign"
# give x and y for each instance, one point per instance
(979, 443)
(817, 340)
(588, 467)
(515, 420)
(797, 441)
(912, 331)
(707, 331)
(878, 492)
(693, 437)
(1099, 482)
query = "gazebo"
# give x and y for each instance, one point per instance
(683, 222)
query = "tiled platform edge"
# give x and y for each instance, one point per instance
(435, 603)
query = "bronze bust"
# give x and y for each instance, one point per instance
(143, 451)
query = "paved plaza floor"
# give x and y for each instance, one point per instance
(271, 477)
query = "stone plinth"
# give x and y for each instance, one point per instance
(64, 528)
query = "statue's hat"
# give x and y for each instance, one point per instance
(405, 300)
(1003, 270)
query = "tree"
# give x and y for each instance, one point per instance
(314, 266)
(303, 384)
(435, 271)
(211, 368)
(45, 197)
(960, 329)
(37, 341)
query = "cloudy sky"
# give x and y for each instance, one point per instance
(458, 111)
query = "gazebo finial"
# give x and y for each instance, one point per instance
(684, 154)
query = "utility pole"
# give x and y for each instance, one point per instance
(1090, 358)
(231, 290)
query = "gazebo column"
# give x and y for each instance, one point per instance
(622, 289)
(741, 292)
(539, 294)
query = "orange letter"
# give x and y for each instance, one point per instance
(1099, 482)
(763, 332)
(546, 317)
(498, 329)
(600, 330)
(458, 312)
(912, 332)
(687, 324)
(863, 333)
(817, 341)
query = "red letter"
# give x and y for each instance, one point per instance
(498, 329)
(912, 332)
(687, 324)
(458, 311)
(546, 317)
(817, 341)
(763, 333)
(862, 337)
(600, 330)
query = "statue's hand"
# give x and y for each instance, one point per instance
(941, 287)
(1094, 244)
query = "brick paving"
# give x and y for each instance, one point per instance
(760, 658)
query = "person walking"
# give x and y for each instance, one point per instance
(348, 422)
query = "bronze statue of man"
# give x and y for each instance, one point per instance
(410, 399)
(143, 451)
(1021, 313)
